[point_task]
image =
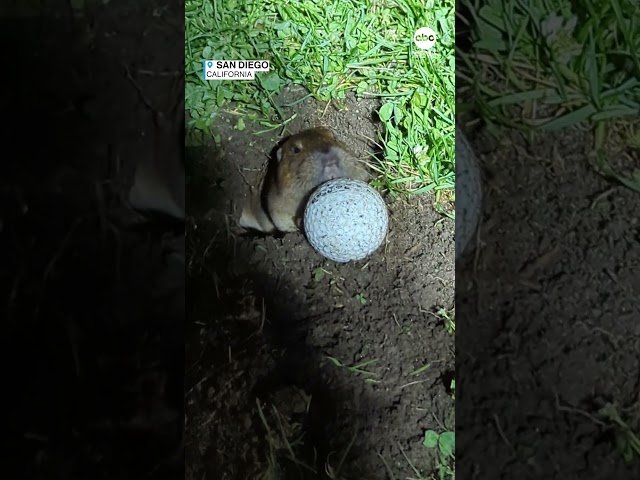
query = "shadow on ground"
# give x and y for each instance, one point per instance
(274, 328)
(266, 385)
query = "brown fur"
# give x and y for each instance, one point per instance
(303, 162)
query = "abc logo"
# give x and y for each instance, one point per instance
(424, 38)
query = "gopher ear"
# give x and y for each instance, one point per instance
(279, 154)
(327, 132)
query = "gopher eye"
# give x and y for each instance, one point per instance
(296, 149)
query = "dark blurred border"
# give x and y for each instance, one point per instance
(59, 303)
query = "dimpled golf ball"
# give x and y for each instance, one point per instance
(345, 220)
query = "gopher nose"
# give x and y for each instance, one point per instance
(330, 156)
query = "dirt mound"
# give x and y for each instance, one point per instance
(275, 331)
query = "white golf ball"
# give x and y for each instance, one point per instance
(345, 220)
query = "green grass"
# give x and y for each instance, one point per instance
(333, 47)
(445, 444)
(448, 320)
(627, 441)
(561, 67)
(357, 369)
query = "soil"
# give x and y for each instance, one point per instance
(92, 293)
(547, 314)
(273, 327)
